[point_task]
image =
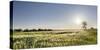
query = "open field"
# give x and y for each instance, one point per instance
(43, 39)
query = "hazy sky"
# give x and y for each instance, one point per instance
(53, 16)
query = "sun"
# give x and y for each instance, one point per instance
(78, 21)
(78, 18)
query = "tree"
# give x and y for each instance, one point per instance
(33, 30)
(92, 28)
(18, 30)
(84, 25)
(26, 30)
(40, 29)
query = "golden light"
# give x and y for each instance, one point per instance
(78, 21)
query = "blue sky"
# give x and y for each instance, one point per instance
(54, 16)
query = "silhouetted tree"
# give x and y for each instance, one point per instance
(92, 28)
(49, 29)
(25, 30)
(18, 30)
(84, 25)
(40, 29)
(44, 30)
(33, 30)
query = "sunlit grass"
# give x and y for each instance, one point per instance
(50, 39)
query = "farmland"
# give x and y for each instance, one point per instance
(41, 39)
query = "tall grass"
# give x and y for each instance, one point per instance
(22, 40)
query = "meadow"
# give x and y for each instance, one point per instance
(41, 39)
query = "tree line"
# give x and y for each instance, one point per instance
(31, 30)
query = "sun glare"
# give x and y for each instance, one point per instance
(78, 21)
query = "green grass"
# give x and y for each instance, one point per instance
(51, 39)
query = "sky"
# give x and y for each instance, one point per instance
(52, 15)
